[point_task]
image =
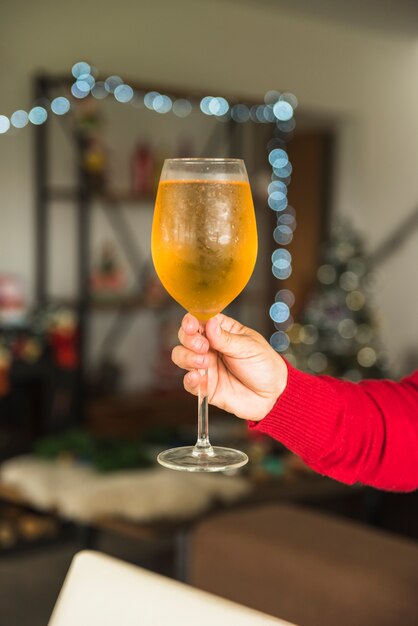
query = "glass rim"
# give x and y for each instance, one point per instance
(203, 160)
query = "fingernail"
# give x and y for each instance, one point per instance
(218, 329)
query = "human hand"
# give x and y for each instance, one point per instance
(246, 376)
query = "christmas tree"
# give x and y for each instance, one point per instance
(338, 333)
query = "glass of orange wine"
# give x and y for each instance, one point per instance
(204, 248)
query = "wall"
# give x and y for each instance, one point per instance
(364, 79)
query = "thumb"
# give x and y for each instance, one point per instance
(228, 336)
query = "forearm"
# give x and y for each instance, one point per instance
(354, 432)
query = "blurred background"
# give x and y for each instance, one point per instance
(320, 100)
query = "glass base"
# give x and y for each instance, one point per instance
(213, 459)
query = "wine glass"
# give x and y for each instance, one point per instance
(204, 248)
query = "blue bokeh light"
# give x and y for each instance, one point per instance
(99, 91)
(112, 82)
(204, 105)
(123, 93)
(286, 296)
(269, 116)
(253, 113)
(80, 68)
(287, 218)
(38, 115)
(149, 99)
(87, 78)
(290, 98)
(19, 119)
(278, 158)
(281, 258)
(284, 325)
(283, 234)
(277, 185)
(287, 127)
(280, 341)
(291, 211)
(162, 104)
(259, 113)
(60, 105)
(4, 124)
(214, 106)
(281, 273)
(223, 106)
(277, 201)
(278, 195)
(77, 93)
(240, 113)
(182, 107)
(83, 86)
(283, 172)
(283, 111)
(279, 312)
(271, 97)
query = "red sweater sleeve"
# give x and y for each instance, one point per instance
(354, 432)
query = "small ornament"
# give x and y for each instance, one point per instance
(108, 276)
(62, 337)
(12, 300)
(95, 163)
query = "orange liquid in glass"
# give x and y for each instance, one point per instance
(204, 242)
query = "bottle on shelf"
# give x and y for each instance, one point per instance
(95, 163)
(143, 166)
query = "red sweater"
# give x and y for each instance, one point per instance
(354, 432)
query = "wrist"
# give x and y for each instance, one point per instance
(275, 387)
(281, 374)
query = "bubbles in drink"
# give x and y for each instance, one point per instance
(204, 242)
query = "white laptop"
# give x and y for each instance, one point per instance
(102, 591)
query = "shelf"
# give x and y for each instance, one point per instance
(121, 197)
(111, 197)
(108, 304)
(132, 303)
(125, 304)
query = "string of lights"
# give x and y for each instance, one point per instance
(277, 108)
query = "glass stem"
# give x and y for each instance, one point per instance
(203, 443)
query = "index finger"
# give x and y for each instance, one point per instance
(190, 324)
(190, 336)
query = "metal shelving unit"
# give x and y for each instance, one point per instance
(82, 198)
